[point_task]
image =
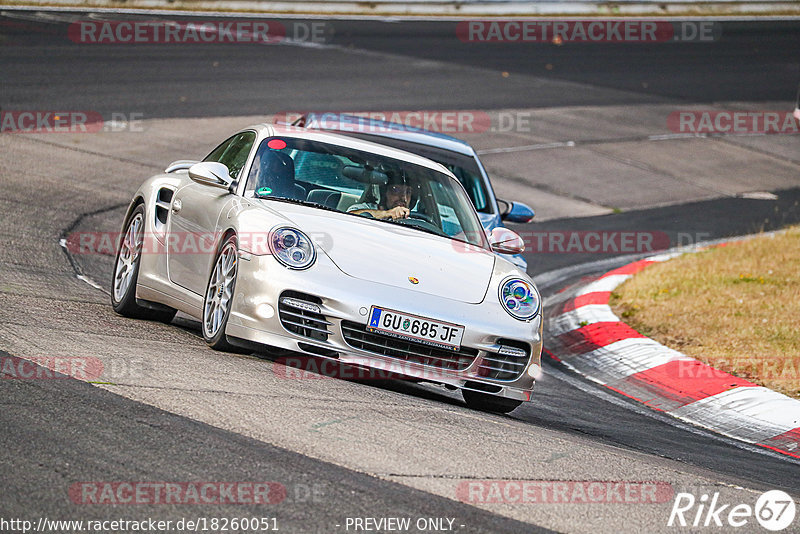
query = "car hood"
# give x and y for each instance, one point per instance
(397, 256)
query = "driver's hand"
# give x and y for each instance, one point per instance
(398, 212)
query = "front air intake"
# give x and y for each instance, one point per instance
(301, 314)
(508, 363)
(356, 335)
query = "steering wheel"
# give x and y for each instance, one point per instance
(421, 216)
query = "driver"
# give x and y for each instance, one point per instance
(395, 196)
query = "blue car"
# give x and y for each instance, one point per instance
(458, 156)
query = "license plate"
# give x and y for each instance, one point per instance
(415, 328)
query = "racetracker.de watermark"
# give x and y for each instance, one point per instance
(383, 121)
(50, 367)
(312, 368)
(462, 121)
(542, 242)
(764, 368)
(599, 242)
(733, 122)
(258, 31)
(61, 122)
(133, 493)
(585, 242)
(563, 492)
(587, 31)
(106, 243)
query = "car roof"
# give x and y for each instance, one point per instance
(379, 128)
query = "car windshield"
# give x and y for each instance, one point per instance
(464, 167)
(352, 181)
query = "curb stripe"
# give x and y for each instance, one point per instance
(591, 340)
(686, 381)
(631, 268)
(593, 336)
(628, 357)
(751, 414)
(604, 284)
(597, 297)
(583, 316)
(788, 442)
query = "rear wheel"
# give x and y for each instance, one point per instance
(219, 297)
(126, 273)
(489, 403)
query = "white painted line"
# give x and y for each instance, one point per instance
(666, 137)
(91, 283)
(760, 195)
(524, 148)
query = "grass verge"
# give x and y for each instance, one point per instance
(736, 308)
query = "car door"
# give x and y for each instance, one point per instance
(194, 222)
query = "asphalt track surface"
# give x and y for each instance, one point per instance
(749, 62)
(55, 433)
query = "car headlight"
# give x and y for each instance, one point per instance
(519, 298)
(292, 248)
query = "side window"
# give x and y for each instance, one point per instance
(233, 152)
(472, 185)
(451, 225)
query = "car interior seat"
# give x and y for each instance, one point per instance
(277, 173)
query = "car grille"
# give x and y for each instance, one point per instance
(356, 335)
(296, 311)
(508, 364)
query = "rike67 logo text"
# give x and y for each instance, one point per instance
(774, 510)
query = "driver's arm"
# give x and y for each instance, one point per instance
(398, 212)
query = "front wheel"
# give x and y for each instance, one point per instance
(126, 273)
(219, 297)
(489, 403)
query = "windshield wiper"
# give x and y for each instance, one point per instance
(300, 202)
(328, 208)
(416, 227)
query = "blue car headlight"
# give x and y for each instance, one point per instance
(292, 248)
(520, 298)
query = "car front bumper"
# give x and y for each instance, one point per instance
(343, 300)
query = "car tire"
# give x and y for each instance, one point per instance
(126, 273)
(489, 403)
(218, 299)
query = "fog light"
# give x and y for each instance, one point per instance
(535, 371)
(265, 311)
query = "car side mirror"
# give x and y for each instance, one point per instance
(180, 165)
(505, 241)
(515, 212)
(211, 173)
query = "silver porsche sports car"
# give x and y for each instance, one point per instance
(286, 239)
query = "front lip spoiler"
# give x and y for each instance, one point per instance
(357, 358)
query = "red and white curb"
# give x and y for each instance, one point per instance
(589, 339)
